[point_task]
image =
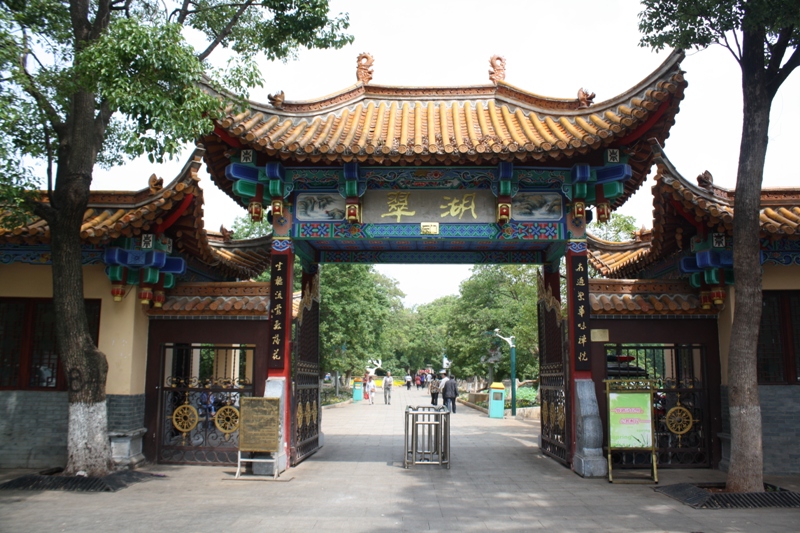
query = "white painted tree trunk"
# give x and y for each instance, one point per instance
(88, 449)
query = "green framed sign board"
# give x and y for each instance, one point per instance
(630, 420)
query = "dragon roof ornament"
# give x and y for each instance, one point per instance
(363, 70)
(498, 70)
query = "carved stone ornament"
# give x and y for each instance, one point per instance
(227, 235)
(498, 70)
(705, 180)
(155, 183)
(586, 99)
(363, 70)
(276, 100)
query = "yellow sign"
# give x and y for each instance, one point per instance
(599, 335)
(260, 422)
(429, 228)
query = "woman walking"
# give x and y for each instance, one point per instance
(433, 389)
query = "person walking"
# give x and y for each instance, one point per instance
(450, 393)
(388, 381)
(433, 389)
(408, 381)
(372, 388)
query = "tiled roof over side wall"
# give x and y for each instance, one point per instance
(644, 297)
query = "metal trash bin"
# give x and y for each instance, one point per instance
(427, 436)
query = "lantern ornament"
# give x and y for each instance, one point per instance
(256, 211)
(145, 295)
(718, 295)
(579, 209)
(118, 291)
(705, 300)
(158, 298)
(603, 211)
(503, 212)
(353, 213)
(277, 208)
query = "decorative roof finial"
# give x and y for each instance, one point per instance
(498, 70)
(227, 236)
(155, 184)
(276, 100)
(585, 99)
(705, 180)
(363, 70)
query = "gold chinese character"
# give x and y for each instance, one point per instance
(278, 309)
(278, 295)
(582, 356)
(582, 340)
(276, 326)
(279, 281)
(581, 311)
(581, 282)
(579, 268)
(397, 203)
(279, 266)
(276, 339)
(581, 296)
(457, 208)
(582, 325)
(276, 353)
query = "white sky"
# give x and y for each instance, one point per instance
(552, 49)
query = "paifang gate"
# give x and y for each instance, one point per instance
(478, 174)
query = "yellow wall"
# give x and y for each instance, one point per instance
(774, 277)
(123, 325)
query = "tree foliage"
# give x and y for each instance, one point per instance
(763, 37)
(87, 82)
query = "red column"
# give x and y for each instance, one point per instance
(280, 325)
(579, 332)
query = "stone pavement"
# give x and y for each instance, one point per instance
(498, 482)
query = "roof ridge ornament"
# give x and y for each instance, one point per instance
(705, 180)
(498, 70)
(586, 99)
(276, 100)
(363, 70)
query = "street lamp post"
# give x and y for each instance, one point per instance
(510, 341)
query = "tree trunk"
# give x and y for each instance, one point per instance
(85, 366)
(746, 467)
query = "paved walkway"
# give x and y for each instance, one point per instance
(498, 482)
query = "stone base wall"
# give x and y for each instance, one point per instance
(780, 427)
(33, 429)
(33, 426)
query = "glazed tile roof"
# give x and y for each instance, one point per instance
(176, 209)
(219, 299)
(375, 124)
(644, 297)
(680, 208)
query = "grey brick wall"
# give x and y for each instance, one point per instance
(33, 425)
(33, 429)
(125, 412)
(780, 418)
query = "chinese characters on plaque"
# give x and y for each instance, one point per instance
(279, 306)
(580, 311)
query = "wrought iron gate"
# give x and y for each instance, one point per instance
(681, 409)
(306, 408)
(201, 388)
(553, 378)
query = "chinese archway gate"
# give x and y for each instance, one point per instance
(479, 174)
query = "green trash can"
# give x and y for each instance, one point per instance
(497, 400)
(358, 389)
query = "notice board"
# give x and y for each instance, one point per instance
(630, 420)
(259, 425)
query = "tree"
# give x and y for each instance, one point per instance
(495, 296)
(94, 82)
(355, 307)
(618, 228)
(762, 35)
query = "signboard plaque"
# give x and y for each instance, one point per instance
(259, 425)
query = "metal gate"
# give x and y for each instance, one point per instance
(553, 378)
(199, 399)
(306, 408)
(680, 407)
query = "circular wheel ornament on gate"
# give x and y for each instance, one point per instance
(185, 418)
(679, 420)
(227, 420)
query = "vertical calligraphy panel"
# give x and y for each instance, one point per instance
(578, 288)
(280, 309)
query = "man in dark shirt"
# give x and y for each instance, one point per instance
(450, 393)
